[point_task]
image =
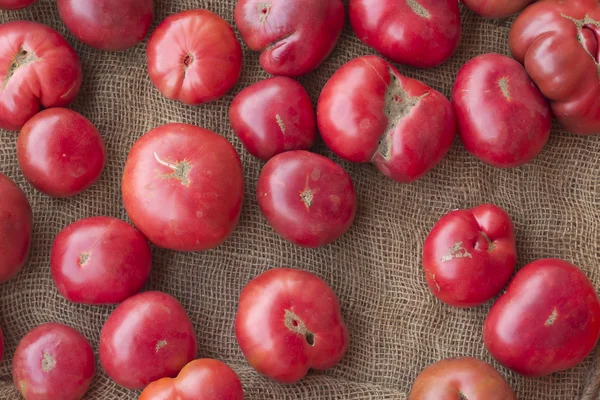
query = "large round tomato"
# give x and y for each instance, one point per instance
(203, 379)
(15, 4)
(183, 187)
(16, 221)
(289, 321)
(147, 337)
(38, 69)
(496, 8)
(194, 57)
(53, 362)
(547, 321)
(294, 37)
(100, 260)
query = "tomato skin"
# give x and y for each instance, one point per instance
(53, 362)
(195, 203)
(273, 116)
(496, 8)
(194, 57)
(470, 255)
(306, 198)
(147, 337)
(280, 313)
(547, 321)
(100, 260)
(111, 25)
(202, 379)
(15, 4)
(293, 37)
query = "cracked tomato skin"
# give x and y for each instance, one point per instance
(15, 4)
(503, 119)
(202, 379)
(289, 321)
(420, 33)
(183, 187)
(294, 37)
(53, 362)
(470, 255)
(194, 57)
(496, 8)
(369, 112)
(307, 199)
(147, 337)
(547, 321)
(557, 41)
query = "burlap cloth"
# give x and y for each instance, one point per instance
(396, 325)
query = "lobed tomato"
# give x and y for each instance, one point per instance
(15, 4)
(496, 8)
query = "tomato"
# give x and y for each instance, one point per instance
(16, 220)
(461, 378)
(203, 379)
(308, 199)
(421, 33)
(194, 57)
(496, 8)
(503, 119)
(558, 43)
(100, 260)
(111, 25)
(53, 362)
(369, 112)
(547, 321)
(38, 68)
(273, 116)
(293, 37)
(470, 255)
(15, 4)
(289, 321)
(60, 152)
(147, 337)
(183, 187)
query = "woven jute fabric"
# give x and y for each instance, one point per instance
(397, 327)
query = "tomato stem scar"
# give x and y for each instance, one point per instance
(48, 362)
(180, 170)
(296, 325)
(160, 344)
(503, 83)
(418, 8)
(263, 11)
(22, 58)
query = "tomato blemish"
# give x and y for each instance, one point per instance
(48, 362)
(296, 325)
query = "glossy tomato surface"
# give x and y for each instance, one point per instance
(194, 57)
(16, 220)
(470, 255)
(273, 116)
(496, 8)
(148, 337)
(53, 362)
(183, 187)
(308, 199)
(289, 321)
(60, 152)
(203, 379)
(38, 69)
(107, 24)
(503, 118)
(369, 112)
(547, 321)
(421, 33)
(294, 37)
(15, 4)
(100, 260)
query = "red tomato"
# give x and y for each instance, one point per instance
(368, 111)
(557, 41)
(547, 321)
(194, 57)
(289, 321)
(503, 119)
(16, 220)
(100, 260)
(470, 255)
(496, 8)
(60, 152)
(148, 337)
(421, 33)
(15, 4)
(53, 362)
(308, 199)
(294, 37)
(111, 25)
(459, 379)
(203, 379)
(273, 116)
(183, 187)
